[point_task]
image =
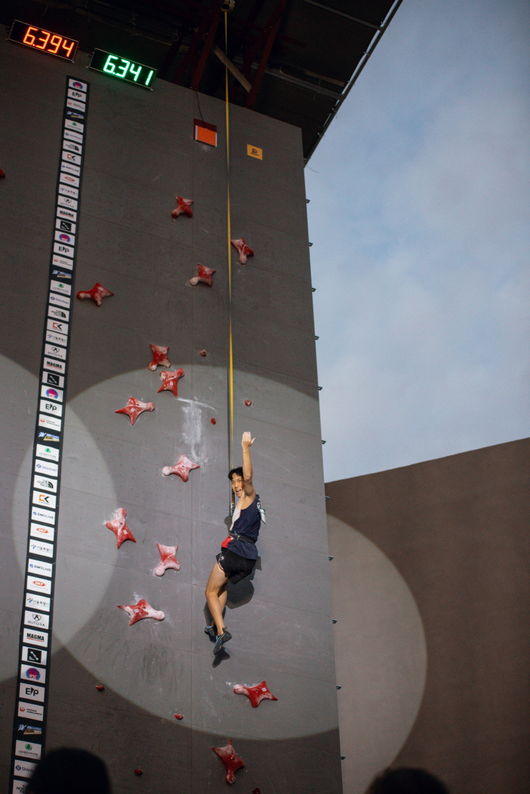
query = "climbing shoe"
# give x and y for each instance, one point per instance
(220, 641)
(210, 631)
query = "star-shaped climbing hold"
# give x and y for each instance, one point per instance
(96, 293)
(231, 760)
(204, 276)
(134, 408)
(255, 693)
(182, 468)
(170, 380)
(184, 207)
(118, 525)
(142, 609)
(243, 249)
(168, 559)
(160, 358)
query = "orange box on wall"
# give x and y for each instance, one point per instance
(204, 132)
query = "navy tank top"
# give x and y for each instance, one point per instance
(246, 523)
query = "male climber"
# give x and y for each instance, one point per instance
(238, 554)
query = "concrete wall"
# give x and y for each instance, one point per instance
(139, 155)
(430, 581)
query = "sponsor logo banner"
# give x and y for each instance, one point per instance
(26, 729)
(55, 352)
(66, 214)
(45, 467)
(65, 237)
(51, 422)
(48, 453)
(70, 135)
(48, 438)
(44, 499)
(56, 366)
(35, 637)
(30, 672)
(73, 82)
(66, 190)
(24, 768)
(34, 601)
(69, 124)
(59, 300)
(68, 179)
(45, 483)
(36, 619)
(25, 749)
(40, 568)
(52, 379)
(56, 339)
(63, 250)
(60, 286)
(71, 157)
(38, 585)
(40, 514)
(44, 533)
(52, 393)
(56, 409)
(57, 273)
(19, 787)
(59, 314)
(34, 655)
(73, 103)
(66, 201)
(61, 261)
(58, 326)
(74, 93)
(70, 168)
(68, 227)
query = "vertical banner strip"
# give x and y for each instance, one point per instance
(33, 670)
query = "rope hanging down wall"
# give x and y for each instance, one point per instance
(29, 728)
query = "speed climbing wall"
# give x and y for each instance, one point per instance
(149, 697)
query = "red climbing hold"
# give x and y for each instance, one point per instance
(183, 207)
(134, 408)
(232, 762)
(243, 249)
(168, 559)
(182, 468)
(248, 403)
(160, 358)
(100, 687)
(204, 276)
(96, 293)
(119, 526)
(255, 693)
(179, 716)
(142, 609)
(213, 420)
(203, 353)
(138, 772)
(170, 380)
(2, 173)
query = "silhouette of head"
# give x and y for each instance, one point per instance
(69, 771)
(407, 781)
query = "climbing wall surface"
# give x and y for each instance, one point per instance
(140, 154)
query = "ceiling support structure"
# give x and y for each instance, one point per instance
(273, 26)
(342, 14)
(207, 48)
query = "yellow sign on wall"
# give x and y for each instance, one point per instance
(254, 151)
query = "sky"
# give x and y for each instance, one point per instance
(418, 215)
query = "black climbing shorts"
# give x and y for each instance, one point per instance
(234, 566)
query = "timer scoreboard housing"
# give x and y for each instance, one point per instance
(123, 69)
(44, 40)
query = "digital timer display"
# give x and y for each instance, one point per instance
(44, 40)
(123, 69)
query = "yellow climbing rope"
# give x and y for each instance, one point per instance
(229, 260)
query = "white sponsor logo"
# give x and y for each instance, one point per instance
(60, 286)
(52, 393)
(65, 237)
(64, 250)
(74, 93)
(56, 352)
(59, 300)
(19, 787)
(44, 499)
(34, 637)
(34, 655)
(40, 514)
(52, 379)
(68, 179)
(28, 749)
(51, 422)
(45, 483)
(66, 190)
(40, 568)
(65, 214)
(39, 547)
(55, 366)
(70, 157)
(58, 326)
(74, 82)
(24, 768)
(61, 261)
(44, 467)
(73, 103)
(70, 168)
(34, 601)
(38, 585)
(56, 339)
(70, 124)
(31, 673)
(45, 533)
(56, 409)
(37, 620)
(65, 201)
(48, 453)
(70, 135)
(59, 314)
